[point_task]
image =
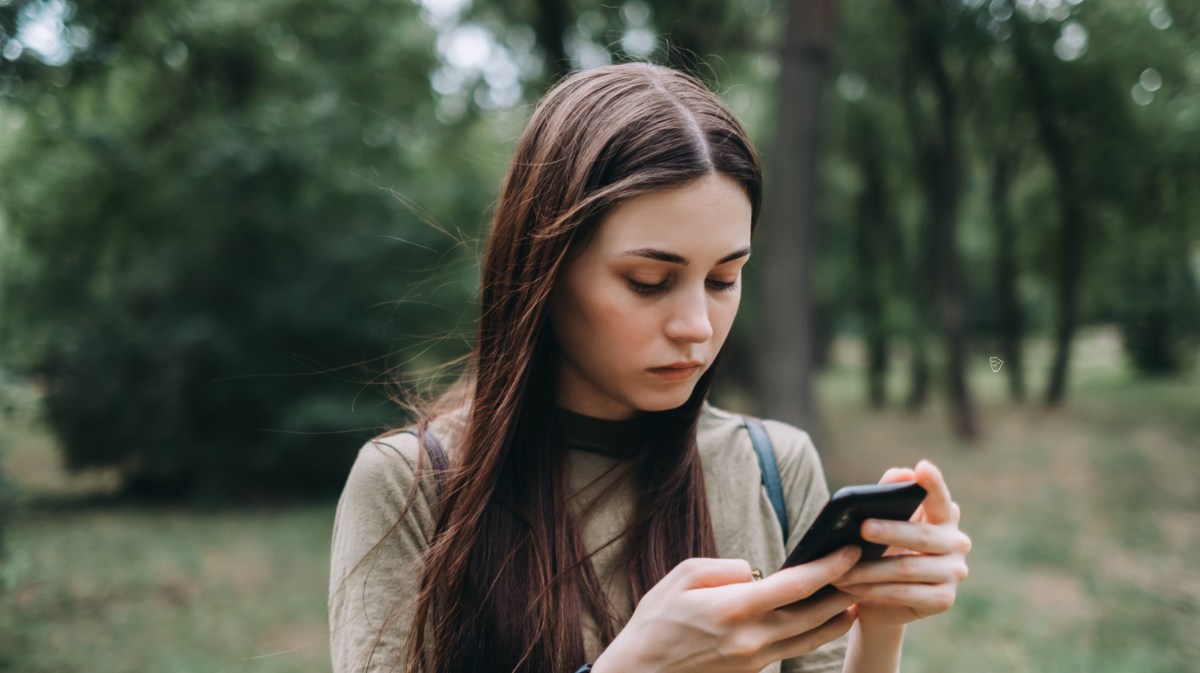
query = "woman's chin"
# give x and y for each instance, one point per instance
(664, 402)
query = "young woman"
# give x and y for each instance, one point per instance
(596, 509)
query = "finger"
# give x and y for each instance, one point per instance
(908, 568)
(923, 599)
(806, 642)
(895, 474)
(938, 506)
(750, 633)
(799, 582)
(696, 573)
(806, 615)
(916, 536)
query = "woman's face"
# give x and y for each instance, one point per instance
(642, 312)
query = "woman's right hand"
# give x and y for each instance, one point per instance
(707, 615)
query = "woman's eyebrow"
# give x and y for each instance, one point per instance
(673, 258)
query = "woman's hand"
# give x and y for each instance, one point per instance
(707, 615)
(925, 561)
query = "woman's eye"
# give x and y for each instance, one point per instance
(647, 288)
(655, 288)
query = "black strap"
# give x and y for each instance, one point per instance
(769, 468)
(437, 456)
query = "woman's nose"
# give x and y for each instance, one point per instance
(689, 320)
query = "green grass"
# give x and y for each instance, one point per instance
(1085, 520)
(98, 586)
(1086, 525)
(128, 589)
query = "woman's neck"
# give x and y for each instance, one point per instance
(613, 438)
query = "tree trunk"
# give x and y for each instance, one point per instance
(943, 189)
(550, 26)
(871, 256)
(784, 363)
(1011, 320)
(1070, 252)
(920, 270)
(1185, 177)
(1161, 316)
(1070, 208)
(691, 31)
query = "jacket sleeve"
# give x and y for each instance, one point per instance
(379, 537)
(806, 492)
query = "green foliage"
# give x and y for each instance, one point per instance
(203, 225)
(1132, 154)
(220, 221)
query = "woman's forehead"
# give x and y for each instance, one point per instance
(706, 220)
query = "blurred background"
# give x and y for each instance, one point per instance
(228, 229)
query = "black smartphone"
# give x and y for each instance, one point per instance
(840, 522)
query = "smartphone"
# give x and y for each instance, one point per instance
(840, 522)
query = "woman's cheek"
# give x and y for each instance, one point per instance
(726, 312)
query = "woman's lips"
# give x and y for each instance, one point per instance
(675, 373)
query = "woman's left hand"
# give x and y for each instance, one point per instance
(925, 562)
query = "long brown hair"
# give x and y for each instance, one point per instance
(506, 579)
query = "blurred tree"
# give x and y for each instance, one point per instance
(203, 201)
(1007, 174)
(1154, 253)
(1073, 227)
(10, 419)
(940, 165)
(202, 211)
(691, 36)
(783, 360)
(870, 175)
(878, 249)
(1160, 307)
(1074, 71)
(1003, 140)
(1010, 317)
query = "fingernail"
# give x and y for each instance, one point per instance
(851, 551)
(872, 528)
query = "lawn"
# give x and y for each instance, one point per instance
(1085, 520)
(1086, 524)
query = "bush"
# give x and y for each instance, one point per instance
(194, 253)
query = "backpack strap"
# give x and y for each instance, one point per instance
(437, 456)
(769, 468)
